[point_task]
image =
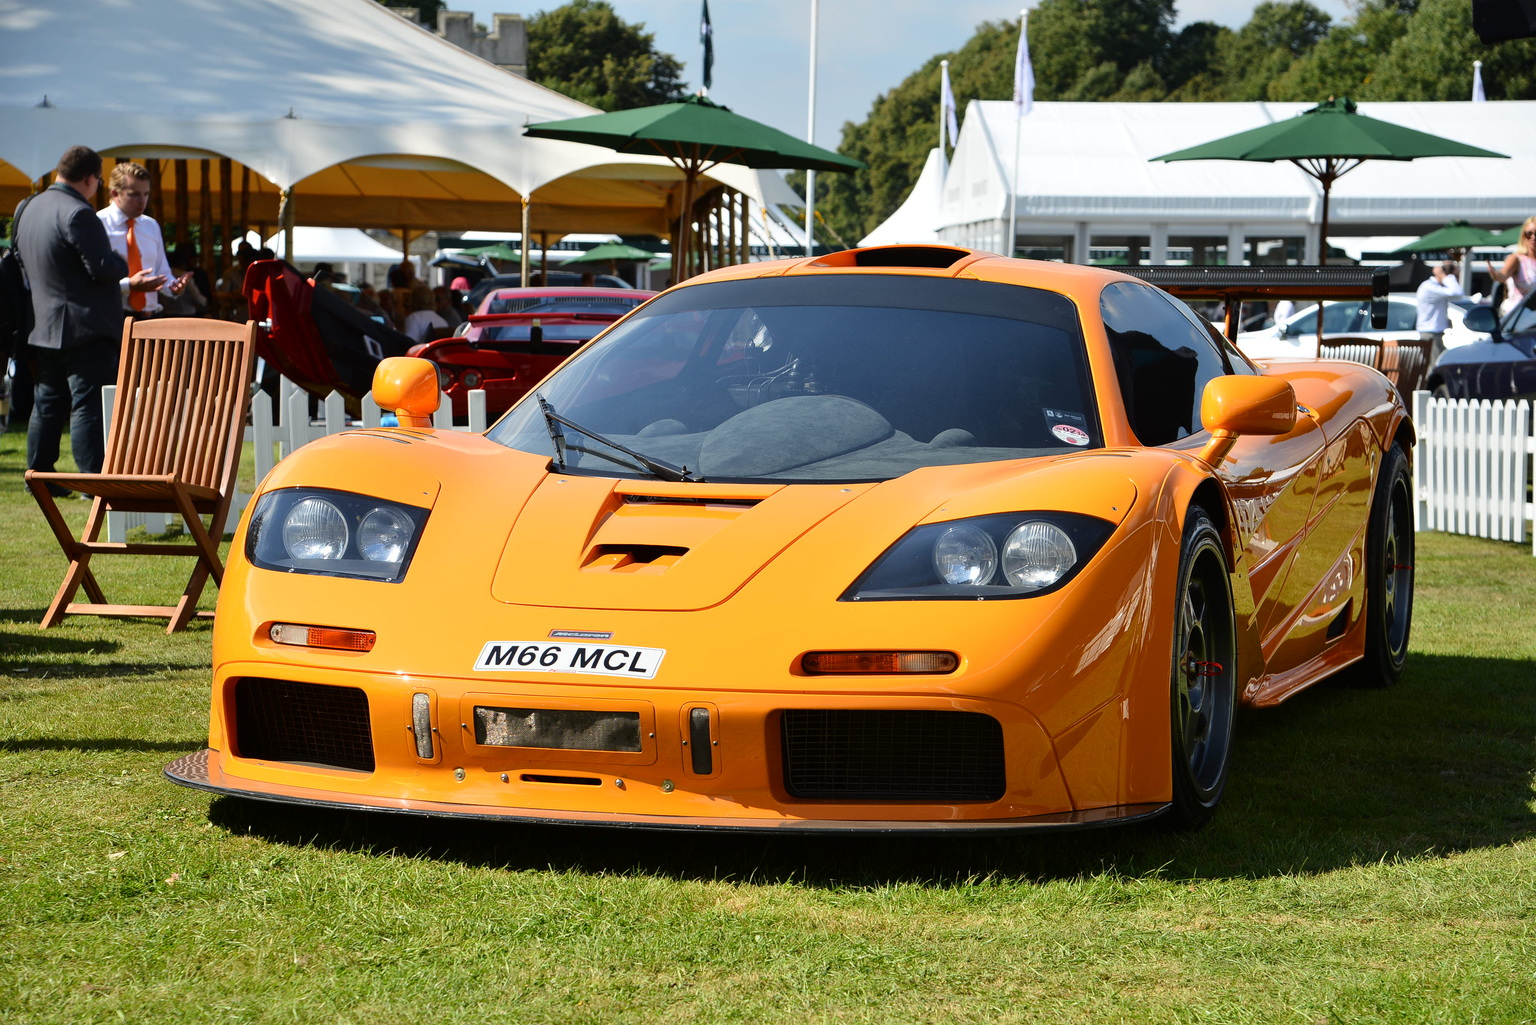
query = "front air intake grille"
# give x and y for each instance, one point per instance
(892, 755)
(308, 723)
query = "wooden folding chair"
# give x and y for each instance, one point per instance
(1406, 363)
(183, 389)
(1356, 350)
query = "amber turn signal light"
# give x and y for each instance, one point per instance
(855, 663)
(322, 637)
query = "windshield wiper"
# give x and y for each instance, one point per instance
(658, 467)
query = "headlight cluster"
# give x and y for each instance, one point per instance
(1009, 555)
(333, 533)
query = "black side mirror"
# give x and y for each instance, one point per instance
(1480, 318)
(1379, 314)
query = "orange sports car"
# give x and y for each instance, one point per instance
(896, 539)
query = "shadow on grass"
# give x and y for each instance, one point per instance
(95, 744)
(16, 646)
(1333, 778)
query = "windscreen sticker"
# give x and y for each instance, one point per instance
(1069, 434)
(1067, 426)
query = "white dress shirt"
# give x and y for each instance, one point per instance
(151, 249)
(1434, 299)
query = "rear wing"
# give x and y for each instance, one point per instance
(1233, 285)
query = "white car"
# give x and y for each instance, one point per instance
(1297, 334)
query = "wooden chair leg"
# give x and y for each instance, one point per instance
(79, 572)
(208, 562)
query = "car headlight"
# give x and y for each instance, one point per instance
(1008, 555)
(333, 533)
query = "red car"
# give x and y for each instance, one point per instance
(517, 337)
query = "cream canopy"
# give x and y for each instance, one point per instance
(366, 118)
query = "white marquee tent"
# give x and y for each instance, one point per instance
(917, 219)
(1085, 179)
(364, 118)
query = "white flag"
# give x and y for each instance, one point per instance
(1023, 71)
(1478, 96)
(947, 106)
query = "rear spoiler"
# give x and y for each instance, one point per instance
(1232, 285)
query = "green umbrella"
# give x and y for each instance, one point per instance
(496, 251)
(695, 134)
(1328, 141)
(1456, 235)
(1507, 237)
(610, 252)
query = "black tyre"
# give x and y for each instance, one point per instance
(1388, 575)
(1204, 676)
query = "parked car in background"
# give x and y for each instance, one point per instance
(517, 336)
(1296, 335)
(557, 279)
(1501, 364)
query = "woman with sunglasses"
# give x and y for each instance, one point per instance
(1519, 270)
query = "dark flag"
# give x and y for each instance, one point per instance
(707, 37)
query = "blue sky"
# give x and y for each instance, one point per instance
(865, 47)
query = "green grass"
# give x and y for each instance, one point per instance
(1374, 862)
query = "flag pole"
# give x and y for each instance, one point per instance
(1023, 100)
(943, 112)
(810, 137)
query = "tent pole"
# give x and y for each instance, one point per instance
(524, 241)
(205, 221)
(285, 218)
(227, 210)
(543, 257)
(245, 201)
(183, 229)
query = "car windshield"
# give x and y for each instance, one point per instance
(548, 332)
(619, 304)
(824, 378)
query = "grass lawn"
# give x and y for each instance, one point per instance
(1374, 862)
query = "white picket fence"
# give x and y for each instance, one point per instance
(293, 429)
(1474, 467)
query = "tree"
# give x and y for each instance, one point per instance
(1070, 41)
(1262, 51)
(584, 50)
(1432, 60)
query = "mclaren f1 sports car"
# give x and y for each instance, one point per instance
(895, 539)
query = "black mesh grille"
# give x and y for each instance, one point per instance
(892, 755)
(284, 721)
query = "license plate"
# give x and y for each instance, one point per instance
(569, 657)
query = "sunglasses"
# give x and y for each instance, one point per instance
(1528, 234)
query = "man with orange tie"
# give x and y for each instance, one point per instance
(137, 239)
(73, 275)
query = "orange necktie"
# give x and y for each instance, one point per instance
(135, 264)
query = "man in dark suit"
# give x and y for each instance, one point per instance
(78, 310)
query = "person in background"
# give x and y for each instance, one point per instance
(324, 276)
(192, 302)
(424, 315)
(449, 305)
(1434, 295)
(74, 274)
(135, 236)
(1519, 271)
(460, 290)
(368, 302)
(402, 275)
